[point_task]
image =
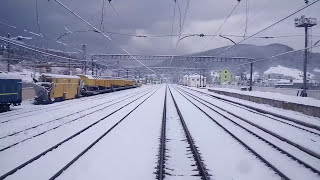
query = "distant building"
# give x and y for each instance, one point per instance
(215, 77)
(225, 76)
(194, 80)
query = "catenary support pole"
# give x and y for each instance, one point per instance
(251, 69)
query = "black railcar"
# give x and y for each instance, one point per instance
(10, 93)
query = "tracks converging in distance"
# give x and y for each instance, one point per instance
(161, 172)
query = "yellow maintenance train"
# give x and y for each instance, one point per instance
(52, 87)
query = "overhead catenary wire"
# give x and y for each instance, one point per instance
(277, 55)
(38, 51)
(104, 35)
(41, 36)
(172, 25)
(37, 17)
(102, 15)
(273, 24)
(220, 27)
(42, 52)
(247, 18)
(184, 16)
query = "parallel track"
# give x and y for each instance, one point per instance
(57, 174)
(41, 124)
(55, 106)
(264, 112)
(60, 125)
(304, 149)
(254, 134)
(196, 155)
(74, 135)
(282, 175)
(162, 149)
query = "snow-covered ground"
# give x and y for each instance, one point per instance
(288, 72)
(274, 96)
(116, 136)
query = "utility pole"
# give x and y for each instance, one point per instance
(200, 78)
(70, 67)
(8, 53)
(127, 74)
(84, 57)
(203, 79)
(96, 69)
(251, 71)
(92, 66)
(306, 23)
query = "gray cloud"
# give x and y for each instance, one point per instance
(154, 17)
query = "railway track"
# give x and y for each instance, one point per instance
(74, 113)
(161, 170)
(63, 123)
(289, 141)
(265, 113)
(14, 170)
(50, 107)
(209, 105)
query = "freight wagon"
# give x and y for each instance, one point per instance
(51, 88)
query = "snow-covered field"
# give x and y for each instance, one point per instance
(117, 136)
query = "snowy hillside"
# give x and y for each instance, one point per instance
(288, 72)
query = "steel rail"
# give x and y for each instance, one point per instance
(260, 113)
(282, 175)
(312, 126)
(302, 148)
(162, 149)
(199, 162)
(65, 140)
(258, 136)
(57, 174)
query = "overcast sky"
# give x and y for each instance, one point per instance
(154, 17)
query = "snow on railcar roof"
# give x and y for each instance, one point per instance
(61, 76)
(6, 75)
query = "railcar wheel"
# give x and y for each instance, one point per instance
(7, 107)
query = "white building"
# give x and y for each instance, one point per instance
(194, 80)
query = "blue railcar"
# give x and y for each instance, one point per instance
(10, 93)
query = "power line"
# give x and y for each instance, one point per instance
(102, 14)
(104, 35)
(173, 18)
(277, 55)
(270, 26)
(247, 17)
(41, 36)
(185, 15)
(37, 16)
(216, 33)
(36, 50)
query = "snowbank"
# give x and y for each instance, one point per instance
(275, 96)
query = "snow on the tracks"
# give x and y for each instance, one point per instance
(282, 162)
(129, 151)
(303, 138)
(180, 162)
(288, 113)
(224, 156)
(25, 151)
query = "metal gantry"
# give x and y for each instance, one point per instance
(106, 57)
